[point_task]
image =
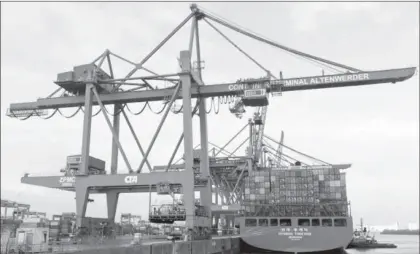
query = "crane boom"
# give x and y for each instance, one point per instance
(280, 150)
(226, 89)
(258, 142)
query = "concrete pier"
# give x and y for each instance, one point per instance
(219, 245)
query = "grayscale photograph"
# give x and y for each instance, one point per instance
(210, 127)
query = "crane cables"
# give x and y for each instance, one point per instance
(295, 151)
(247, 32)
(214, 107)
(271, 150)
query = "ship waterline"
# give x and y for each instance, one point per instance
(297, 239)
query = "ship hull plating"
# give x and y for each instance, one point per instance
(296, 239)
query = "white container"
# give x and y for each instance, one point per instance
(37, 237)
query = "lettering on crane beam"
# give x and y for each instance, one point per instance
(327, 79)
(67, 181)
(130, 179)
(248, 86)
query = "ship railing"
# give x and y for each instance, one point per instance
(69, 245)
(88, 243)
(224, 231)
(9, 217)
(175, 211)
(11, 247)
(234, 161)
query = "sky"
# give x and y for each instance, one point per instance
(375, 128)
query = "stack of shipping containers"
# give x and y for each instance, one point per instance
(96, 226)
(297, 191)
(32, 234)
(67, 223)
(54, 230)
(34, 222)
(127, 227)
(54, 226)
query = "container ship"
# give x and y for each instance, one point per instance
(282, 208)
(284, 205)
(291, 205)
(296, 209)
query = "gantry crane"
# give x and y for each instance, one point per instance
(20, 212)
(89, 85)
(280, 149)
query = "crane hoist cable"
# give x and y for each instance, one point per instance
(283, 158)
(159, 112)
(296, 151)
(119, 111)
(211, 106)
(72, 115)
(285, 155)
(280, 148)
(236, 46)
(262, 38)
(48, 117)
(138, 113)
(93, 115)
(312, 61)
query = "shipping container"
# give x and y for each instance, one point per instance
(303, 186)
(31, 240)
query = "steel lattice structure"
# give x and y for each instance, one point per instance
(89, 85)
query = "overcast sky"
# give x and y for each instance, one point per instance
(374, 127)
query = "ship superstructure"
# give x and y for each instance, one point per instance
(305, 201)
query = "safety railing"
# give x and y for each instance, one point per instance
(66, 246)
(169, 214)
(224, 231)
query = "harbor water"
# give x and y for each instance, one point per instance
(407, 244)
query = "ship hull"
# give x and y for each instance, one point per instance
(296, 239)
(246, 248)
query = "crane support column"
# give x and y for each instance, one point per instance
(116, 125)
(205, 193)
(87, 123)
(111, 203)
(188, 187)
(82, 195)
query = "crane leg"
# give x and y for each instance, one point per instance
(87, 123)
(82, 195)
(188, 187)
(111, 203)
(116, 125)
